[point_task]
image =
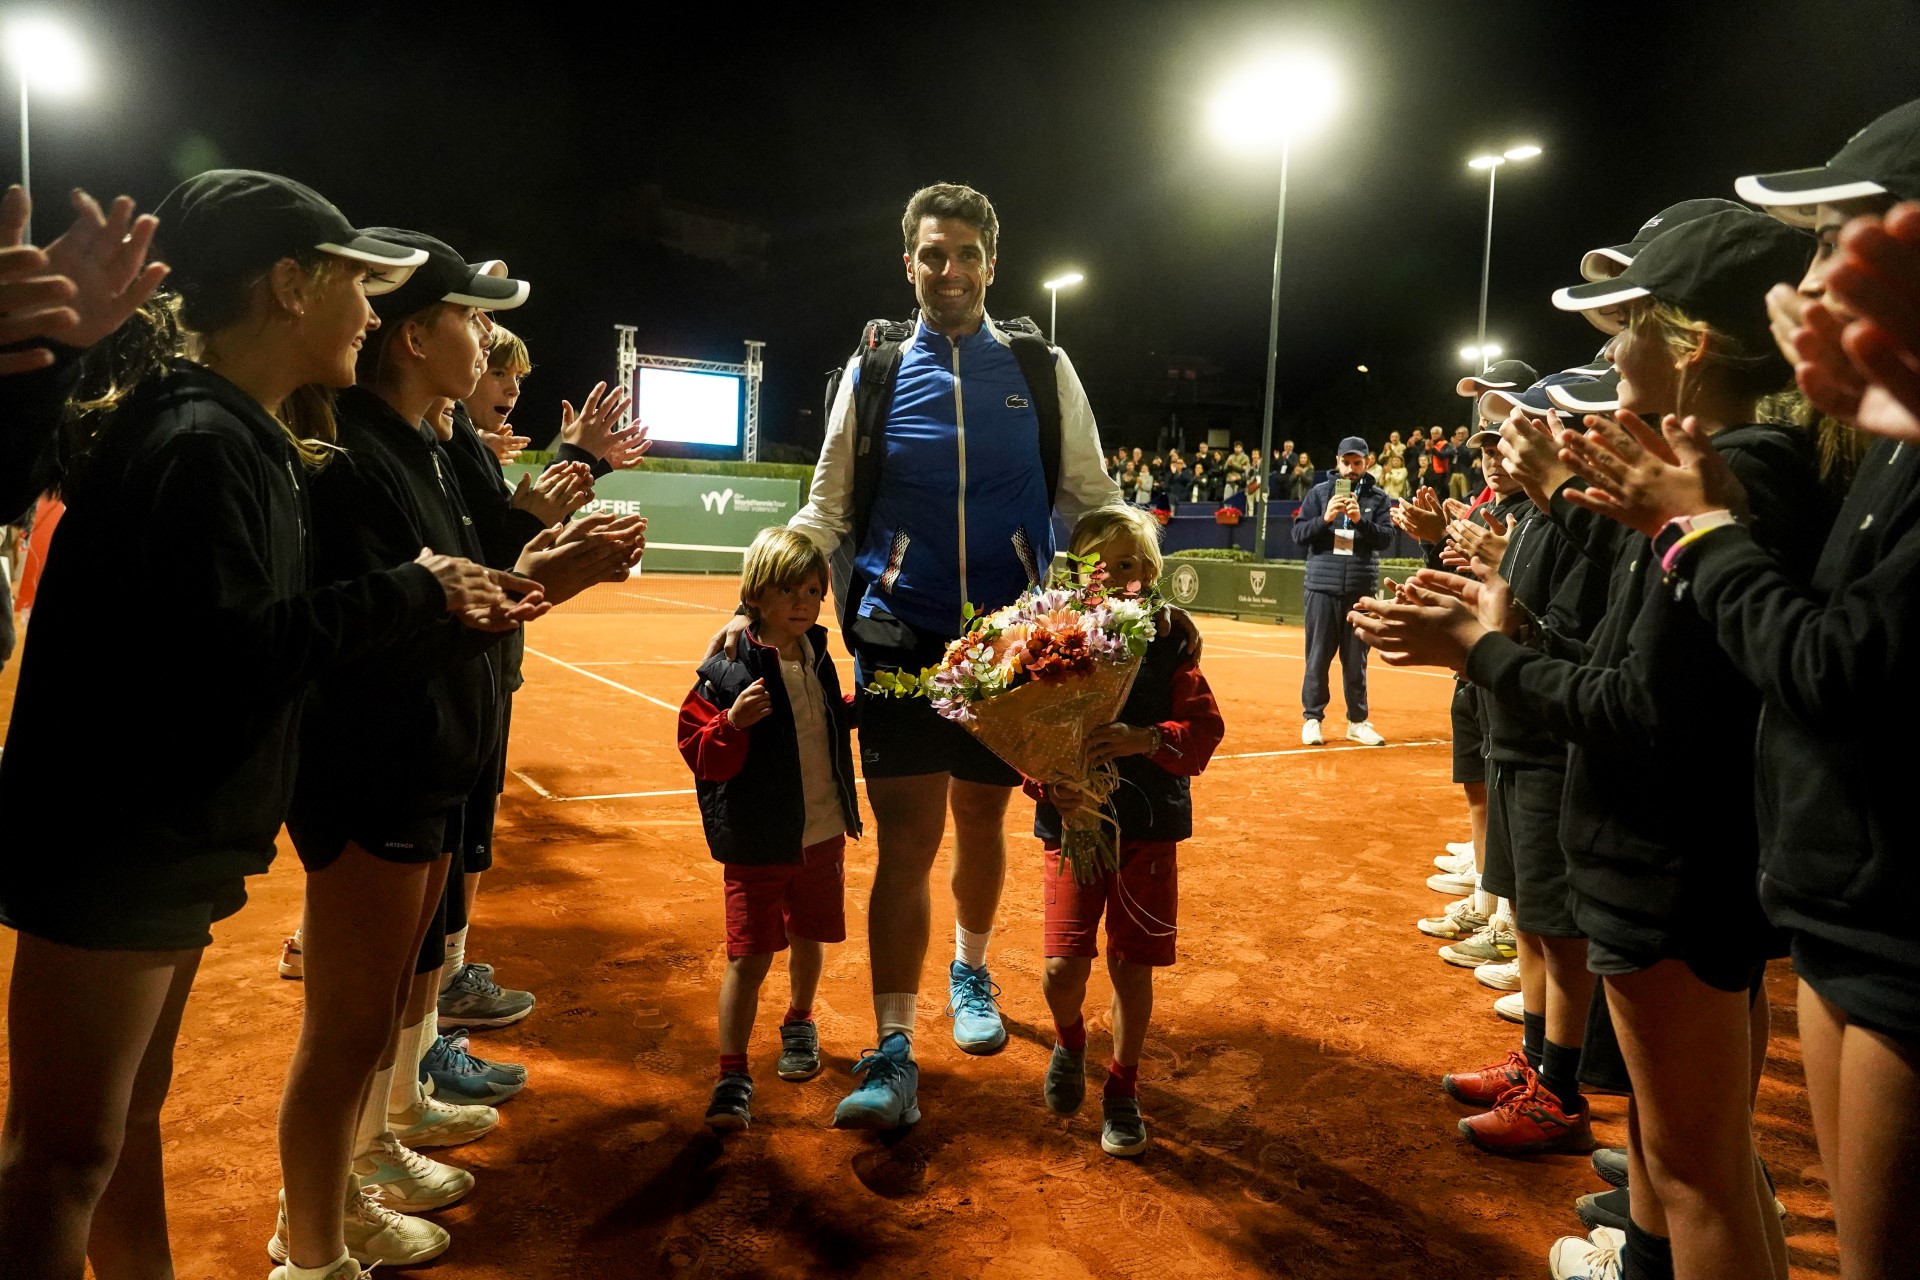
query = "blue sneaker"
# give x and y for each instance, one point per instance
(970, 1003)
(889, 1097)
(460, 1077)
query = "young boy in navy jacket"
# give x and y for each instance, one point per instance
(767, 735)
(1165, 734)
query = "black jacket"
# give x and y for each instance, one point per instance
(1152, 802)
(503, 529)
(30, 409)
(1839, 857)
(402, 733)
(1657, 821)
(178, 604)
(751, 798)
(1348, 577)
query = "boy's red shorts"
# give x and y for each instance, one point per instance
(1141, 902)
(805, 899)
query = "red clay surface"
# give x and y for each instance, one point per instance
(1291, 1081)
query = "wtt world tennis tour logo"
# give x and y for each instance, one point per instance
(716, 503)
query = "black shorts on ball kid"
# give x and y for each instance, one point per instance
(1725, 945)
(321, 840)
(1525, 801)
(166, 907)
(1873, 992)
(1469, 734)
(906, 737)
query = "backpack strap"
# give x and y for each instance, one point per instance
(878, 363)
(1036, 358)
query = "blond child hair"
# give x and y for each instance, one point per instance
(1100, 524)
(779, 557)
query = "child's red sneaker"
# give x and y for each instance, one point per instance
(1527, 1122)
(1484, 1087)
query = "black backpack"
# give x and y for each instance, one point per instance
(879, 357)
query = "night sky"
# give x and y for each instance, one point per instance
(551, 135)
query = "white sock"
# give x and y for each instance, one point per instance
(1506, 912)
(404, 1088)
(970, 948)
(1484, 903)
(373, 1116)
(316, 1273)
(456, 958)
(893, 1012)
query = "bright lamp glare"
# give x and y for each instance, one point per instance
(1491, 351)
(46, 55)
(1061, 282)
(1360, 368)
(1469, 353)
(1488, 353)
(1485, 162)
(1280, 98)
(1527, 152)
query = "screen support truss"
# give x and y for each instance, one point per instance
(628, 361)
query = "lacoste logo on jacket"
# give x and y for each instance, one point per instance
(1017, 402)
(717, 502)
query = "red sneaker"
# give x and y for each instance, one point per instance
(1484, 1087)
(1528, 1121)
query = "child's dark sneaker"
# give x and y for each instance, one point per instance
(1122, 1132)
(731, 1107)
(1605, 1209)
(799, 1050)
(1066, 1079)
(1528, 1121)
(1611, 1164)
(1486, 1086)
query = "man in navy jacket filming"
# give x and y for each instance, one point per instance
(1343, 526)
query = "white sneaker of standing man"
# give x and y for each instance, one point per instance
(1363, 732)
(1310, 735)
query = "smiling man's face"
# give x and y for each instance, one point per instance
(951, 268)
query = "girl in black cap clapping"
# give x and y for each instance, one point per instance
(200, 633)
(1664, 888)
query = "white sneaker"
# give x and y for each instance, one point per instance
(1459, 920)
(376, 1235)
(1310, 735)
(348, 1270)
(434, 1123)
(1460, 849)
(1595, 1258)
(1453, 882)
(1455, 862)
(1512, 1008)
(407, 1182)
(1504, 976)
(1363, 732)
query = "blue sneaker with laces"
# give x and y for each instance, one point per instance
(460, 1077)
(971, 995)
(889, 1096)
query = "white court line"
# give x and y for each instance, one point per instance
(671, 706)
(1310, 751)
(541, 791)
(622, 795)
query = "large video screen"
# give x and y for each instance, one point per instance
(689, 408)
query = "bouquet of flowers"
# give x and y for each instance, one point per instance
(1032, 680)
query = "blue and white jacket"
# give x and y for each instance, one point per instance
(962, 513)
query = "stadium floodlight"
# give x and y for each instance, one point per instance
(1484, 354)
(45, 56)
(1053, 287)
(1492, 163)
(1263, 108)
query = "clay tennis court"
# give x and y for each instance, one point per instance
(1290, 1081)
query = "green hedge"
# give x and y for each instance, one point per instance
(1211, 553)
(702, 467)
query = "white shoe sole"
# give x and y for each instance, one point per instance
(445, 1024)
(1367, 742)
(384, 1193)
(1500, 983)
(1124, 1149)
(1453, 886)
(1448, 954)
(454, 1138)
(1442, 931)
(277, 1250)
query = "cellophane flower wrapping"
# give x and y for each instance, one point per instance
(1033, 680)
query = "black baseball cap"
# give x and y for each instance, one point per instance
(230, 223)
(1608, 262)
(1497, 404)
(1352, 444)
(1881, 159)
(1598, 393)
(446, 276)
(1717, 269)
(1504, 375)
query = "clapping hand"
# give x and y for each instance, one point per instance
(1643, 479)
(596, 427)
(1432, 622)
(1877, 278)
(479, 597)
(1531, 449)
(567, 559)
(505, 444)
(104, 255)
(556, 493)
(1421, 517)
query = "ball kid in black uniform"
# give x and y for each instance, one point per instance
(1665, 893)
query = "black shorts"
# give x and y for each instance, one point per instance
(321, 841)
(1525, 801)
(168, 909)
(906, 737)
(1602, 1066)
(1469, 734)
(474, 847)
(1871, 991)
(1724, 968)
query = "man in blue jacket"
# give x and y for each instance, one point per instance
(961, 515)
(1343, 525)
